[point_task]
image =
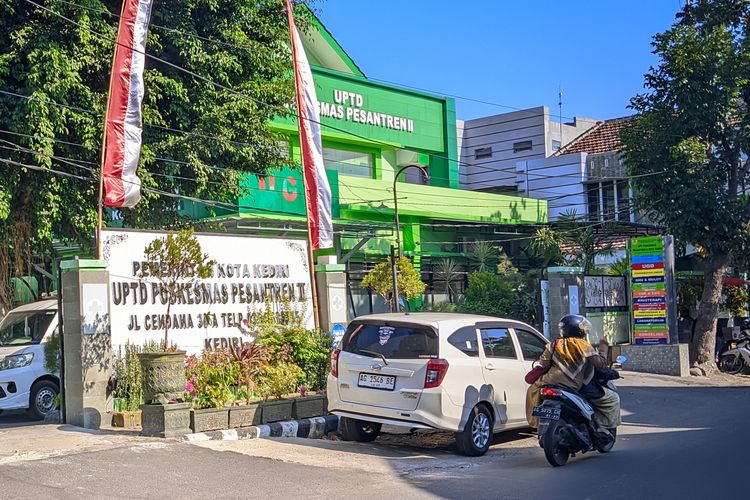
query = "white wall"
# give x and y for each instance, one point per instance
(558, 179)
(500, 132)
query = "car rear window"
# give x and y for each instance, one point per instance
(392, 341)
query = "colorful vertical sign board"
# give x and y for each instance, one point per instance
(648, 290)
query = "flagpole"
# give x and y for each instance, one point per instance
(313, 284)
(100, 219)
(300, 104)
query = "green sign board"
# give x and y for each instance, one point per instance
(648, 245)
(282, 193)
(648, 277)
(377, 112)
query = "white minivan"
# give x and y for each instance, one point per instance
(25, 381)
(454, 372)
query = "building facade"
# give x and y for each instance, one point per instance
(492, 146)
(370, 131)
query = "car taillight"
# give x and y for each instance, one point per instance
(550, 393)
(335, 362)
(436, 370)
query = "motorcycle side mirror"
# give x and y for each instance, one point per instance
(622, 359)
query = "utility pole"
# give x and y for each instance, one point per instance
(394, 277)
(395, 202)
(397, 253)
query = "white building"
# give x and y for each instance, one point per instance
(491, 147)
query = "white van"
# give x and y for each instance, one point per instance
(453, 372)
(25, 381)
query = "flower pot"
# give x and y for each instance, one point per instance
(309, 406)
(245, 415)
(163, 376)
(127, 419)
(209, 419)
(165, 420)
(277, 410)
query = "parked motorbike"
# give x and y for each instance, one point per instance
(734, 360)
(566, 424)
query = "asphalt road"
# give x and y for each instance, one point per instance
(679, 442)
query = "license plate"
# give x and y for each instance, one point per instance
(546, 412)
(374, 381)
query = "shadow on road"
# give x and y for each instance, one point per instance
(670, 434)
(16, 418)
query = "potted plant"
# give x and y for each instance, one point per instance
(279, 380)
(128, 391)
(309, 350)
(210, 382)
(309, 404)
(173, 262)
(251, 359)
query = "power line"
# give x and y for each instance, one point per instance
(76, 162)
(380, 80)
(231, 206)
(282, 110)
(200, 77)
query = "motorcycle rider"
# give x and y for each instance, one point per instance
(573, 363)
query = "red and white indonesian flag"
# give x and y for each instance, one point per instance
(122, 140)
(317, 189)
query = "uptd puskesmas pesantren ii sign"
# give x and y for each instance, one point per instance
(249, 274)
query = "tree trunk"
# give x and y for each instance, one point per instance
(166, 326)
(704, 339)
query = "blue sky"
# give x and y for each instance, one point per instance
(513, 53)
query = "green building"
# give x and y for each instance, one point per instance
(371, 130)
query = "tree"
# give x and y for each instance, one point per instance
(504, 294)
(216, 136)
(177, 263)
(578, 242)
(380, 281)
(687, 149)
(447, 270)
(484, 255)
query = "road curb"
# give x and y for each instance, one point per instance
(309, 428)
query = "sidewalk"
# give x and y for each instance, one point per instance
(717, 379)
(24, 442)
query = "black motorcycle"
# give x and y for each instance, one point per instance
(566, 424)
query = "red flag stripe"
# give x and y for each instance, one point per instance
(122, 140)
(317, 189)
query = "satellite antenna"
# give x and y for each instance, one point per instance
(560, 104)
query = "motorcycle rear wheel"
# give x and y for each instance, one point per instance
(731, 364)
(556, 454)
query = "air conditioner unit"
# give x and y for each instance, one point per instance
(405, 157)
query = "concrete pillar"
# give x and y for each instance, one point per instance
(87, 341)
(566, 294)
(330, 279)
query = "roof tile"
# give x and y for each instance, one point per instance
(601, 138)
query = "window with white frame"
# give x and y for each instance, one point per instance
(348, 162)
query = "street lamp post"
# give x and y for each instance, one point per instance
(397, 253)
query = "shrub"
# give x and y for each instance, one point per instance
(309, 350)
(380, 280)
(495, 295)
(279, 379)
(128, 389)
(251, 358)
(440, 307)
(211, 379)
